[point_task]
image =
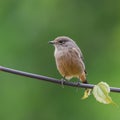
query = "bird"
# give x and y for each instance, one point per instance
(69, 59)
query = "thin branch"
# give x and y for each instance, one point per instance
(53, 80)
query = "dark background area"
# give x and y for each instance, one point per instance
(26, 26)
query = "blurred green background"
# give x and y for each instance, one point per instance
(26, 26)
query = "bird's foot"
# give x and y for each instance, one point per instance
(62, 82)
(77, 85)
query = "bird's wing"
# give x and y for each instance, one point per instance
(78, 52)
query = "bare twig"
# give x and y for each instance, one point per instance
(53, 80)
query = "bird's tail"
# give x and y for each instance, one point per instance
(87, 90)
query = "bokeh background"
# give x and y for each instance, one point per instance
(26, 26)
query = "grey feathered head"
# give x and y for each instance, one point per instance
(63, 42)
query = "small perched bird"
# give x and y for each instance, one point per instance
(69, 58)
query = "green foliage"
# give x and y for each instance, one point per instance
(101, 93)
(26, 26)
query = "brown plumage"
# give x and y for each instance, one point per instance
(69, 58)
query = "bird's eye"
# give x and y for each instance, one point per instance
(61, 42)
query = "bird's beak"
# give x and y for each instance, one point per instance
(51, 42)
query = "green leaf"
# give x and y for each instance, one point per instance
(101, 93)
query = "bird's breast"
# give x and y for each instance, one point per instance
(68, 63)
